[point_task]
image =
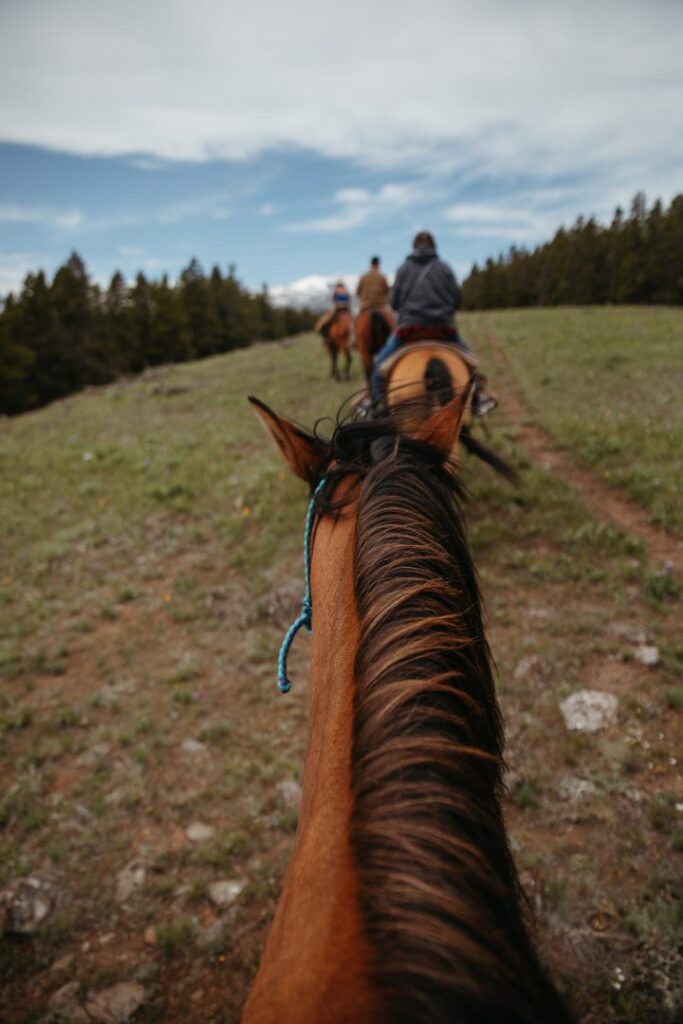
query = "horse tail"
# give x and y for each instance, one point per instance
(379, 330)
(486, 454)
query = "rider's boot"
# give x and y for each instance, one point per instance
(482, 401)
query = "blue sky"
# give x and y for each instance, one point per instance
(297, 140)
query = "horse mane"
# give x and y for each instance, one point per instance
(439, 896)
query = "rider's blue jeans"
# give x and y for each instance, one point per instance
(391, 345)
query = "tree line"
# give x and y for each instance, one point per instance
(635, 259)
(60, 336)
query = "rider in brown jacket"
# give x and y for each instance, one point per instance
(373, 287)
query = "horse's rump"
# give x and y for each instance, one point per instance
(337, 330)
(428, 374)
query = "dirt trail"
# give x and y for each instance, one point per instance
(661, 545)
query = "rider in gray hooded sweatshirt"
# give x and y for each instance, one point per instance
(425, 295)
(425, 290)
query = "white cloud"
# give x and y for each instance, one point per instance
(530, 215)
(148, 163)
(483, 213)
(488, 89)
(512, 223)
(268, 209)
(14, 266)
(356, 206)
(16, 213)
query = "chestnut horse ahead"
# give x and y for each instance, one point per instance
(337, 332)
(372, 328)
(401, 902)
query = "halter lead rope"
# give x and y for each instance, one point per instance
(305, 617)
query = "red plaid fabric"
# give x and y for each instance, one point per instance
(426, 332)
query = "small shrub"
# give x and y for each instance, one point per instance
(663, 587)
(214, 732)
(16, 718)
(674, 698)
(182, 695)
(526, 795)
(175, 937)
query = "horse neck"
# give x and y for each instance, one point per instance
(314, 964)
(437, 885)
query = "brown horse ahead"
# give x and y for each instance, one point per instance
(424, 376)
(336, 331)
(372, 328)
(401, 902)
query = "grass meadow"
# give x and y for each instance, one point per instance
(150, 550)
(607, 384)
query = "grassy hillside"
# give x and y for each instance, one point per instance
(607, 383)
(150, 564)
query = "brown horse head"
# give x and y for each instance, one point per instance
(401, 901)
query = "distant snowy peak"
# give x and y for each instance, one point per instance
(314, 291)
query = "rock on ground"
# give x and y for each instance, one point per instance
(116, 1004)
(647, 655)
(131, 878)
(190, 746)
(26, 905)
(589, 710)
(224, 893)
(197, 832)
(532, 663)
(627, 631)
(290, 791)
(63, 1006)
(573, 790)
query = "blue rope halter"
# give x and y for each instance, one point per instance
(305, 617)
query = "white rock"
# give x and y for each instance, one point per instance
(63, 1005)
(116, 1004)
(626, 631)
(26, 904)
(224, 893)
(191, 746)
(197, 832)
(131, 878)
(589, 710)
(574, 789)
(213, 935)
(527, 665)
(94, 754)
(647, 655)
(540, 613)
(290, 791)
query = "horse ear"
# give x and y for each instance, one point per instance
(441, 429)
(303, 453)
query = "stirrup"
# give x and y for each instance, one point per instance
(484, 405)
